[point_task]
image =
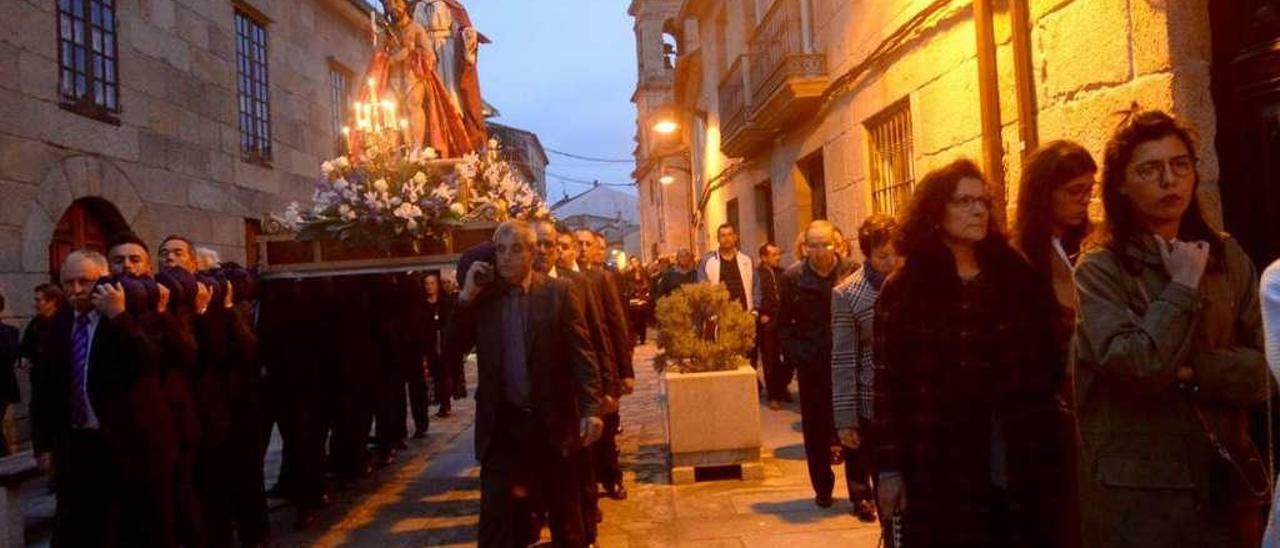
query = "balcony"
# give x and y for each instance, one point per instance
(739, 136)
(787, 77)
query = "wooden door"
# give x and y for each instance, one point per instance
(87, 224)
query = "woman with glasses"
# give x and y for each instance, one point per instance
(1168, 357)
(970, 443)
(1053, 219)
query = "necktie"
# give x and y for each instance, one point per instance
(515, 364)
(80, 371)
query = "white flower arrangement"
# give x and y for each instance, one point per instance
(411, 195)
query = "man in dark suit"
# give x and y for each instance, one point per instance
(620, 378)
(537, 398)
(546, 261)
(82, 409)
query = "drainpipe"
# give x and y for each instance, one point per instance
(989, 93)
(806, 27)
(1024, 75)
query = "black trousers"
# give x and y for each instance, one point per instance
(521, 472)
(444, 378)
(91, 493)
(605, 452)
(817, 418)
(777, 374)
(419, 407)
(638, 320)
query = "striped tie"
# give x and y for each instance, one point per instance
(80, 371)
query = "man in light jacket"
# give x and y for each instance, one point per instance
(730, 267)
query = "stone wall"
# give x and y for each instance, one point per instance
(1091, 58)
(172, 164)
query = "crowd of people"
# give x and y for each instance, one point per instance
(1063, 385)
(1059, 384)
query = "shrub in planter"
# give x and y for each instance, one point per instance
(701, 329)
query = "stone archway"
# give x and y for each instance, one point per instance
(94, 184)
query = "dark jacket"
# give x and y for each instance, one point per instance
(562, 369)
(225, 381)
(940, 389)
(766, 290)
(124, 388)
(671, 280)
(1149, 473)
(10, 349)
(804, 313)
(615, 310)
(602, 339)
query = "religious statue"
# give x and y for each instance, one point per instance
(456, 43)
(405, 69)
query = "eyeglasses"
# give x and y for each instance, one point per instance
(967, 202)
(817, 246)
(1154, 170)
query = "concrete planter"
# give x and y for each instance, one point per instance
(713, 419)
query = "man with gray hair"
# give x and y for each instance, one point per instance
(537, 399)
(207, 258)
(83, 420)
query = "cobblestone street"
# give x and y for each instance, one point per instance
(432, 496)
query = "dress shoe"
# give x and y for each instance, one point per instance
(401, 445)
(775, 405)
(305, 519)
(865, 511)
(419, 434)
(615, 491)
(276, 492)
(444, 413)
(824, 501)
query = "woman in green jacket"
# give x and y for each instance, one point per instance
(1169, 357)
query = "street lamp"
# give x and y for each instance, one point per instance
(666, 179)
(666, 126)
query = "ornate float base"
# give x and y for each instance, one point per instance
(284, 256)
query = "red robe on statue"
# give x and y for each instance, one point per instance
(469, 80)
(446, 131)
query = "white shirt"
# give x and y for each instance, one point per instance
(1062, 253)
(92, 327)
(553, 273)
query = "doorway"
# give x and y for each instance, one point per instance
(86, 224)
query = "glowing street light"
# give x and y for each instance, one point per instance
(666, 179)
(666, 126)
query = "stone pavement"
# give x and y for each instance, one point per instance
(432, 498)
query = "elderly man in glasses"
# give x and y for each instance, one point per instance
(804, 329)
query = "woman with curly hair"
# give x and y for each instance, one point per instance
(971, 446)
(1168, 357)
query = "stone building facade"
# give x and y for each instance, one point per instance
(171, 154)
(147, 132)
(793, 110)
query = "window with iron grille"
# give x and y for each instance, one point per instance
(251, 72)
(339, 90)
(892, 167)
(88, 82)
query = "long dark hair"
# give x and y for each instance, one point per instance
(921, 224)
(1122, 224)
(1048, 169)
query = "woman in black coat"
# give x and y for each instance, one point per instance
(972, 446)
(10, 349)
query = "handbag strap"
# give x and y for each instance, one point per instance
(1226, 454)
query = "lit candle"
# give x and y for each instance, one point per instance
(404, 132)
(373, 27)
